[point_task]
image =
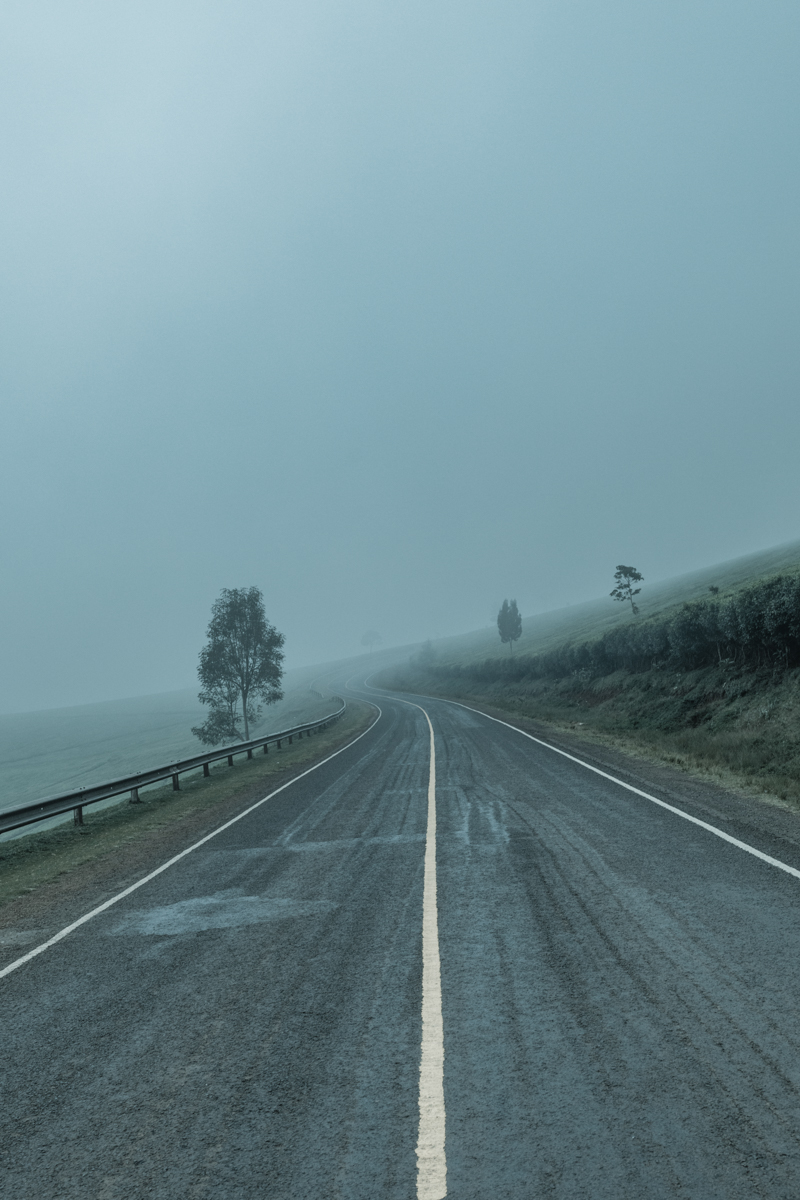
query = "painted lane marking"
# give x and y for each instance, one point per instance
(431, 1160)
(431, 1157)
(13, 966)
(679, 812)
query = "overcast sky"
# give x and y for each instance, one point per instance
(391, 310)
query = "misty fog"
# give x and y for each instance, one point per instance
(388, 311)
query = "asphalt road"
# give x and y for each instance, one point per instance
(619, 994)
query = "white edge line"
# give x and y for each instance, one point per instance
(57, 937)
(679, 812)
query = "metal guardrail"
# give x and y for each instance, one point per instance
(75, 801)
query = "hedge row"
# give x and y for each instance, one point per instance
(757, 626)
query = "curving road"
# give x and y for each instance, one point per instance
(618, 992)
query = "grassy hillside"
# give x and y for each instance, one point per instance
(711, 682)
(583, 622)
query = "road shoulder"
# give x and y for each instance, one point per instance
(765, 820)
(49, 879)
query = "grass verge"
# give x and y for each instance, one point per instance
(30, 862)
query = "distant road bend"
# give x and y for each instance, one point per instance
(448, 960)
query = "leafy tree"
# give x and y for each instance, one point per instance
(370, 638)
(625, 578)
(239, 665)
(509, 623)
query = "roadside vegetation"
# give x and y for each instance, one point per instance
(710, 683)
(589, 620)
(37, 858)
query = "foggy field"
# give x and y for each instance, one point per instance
(58, 750)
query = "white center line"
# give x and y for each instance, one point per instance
(431, 1160)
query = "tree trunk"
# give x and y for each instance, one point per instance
(244, 714)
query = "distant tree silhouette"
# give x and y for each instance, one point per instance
(425, 656)
(371, 638)
(625, 578)
(509, 623)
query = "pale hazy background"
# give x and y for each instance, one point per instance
(391, 310)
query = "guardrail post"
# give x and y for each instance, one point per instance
(266, 748)
(176, 787)
(134, 796)
(230, 760)
(250, 752)
(77, 815)
(290, 741)
(279, 743)
(206, 770)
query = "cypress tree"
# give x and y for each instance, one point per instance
(509, 623)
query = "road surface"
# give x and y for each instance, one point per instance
(617, 1004)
